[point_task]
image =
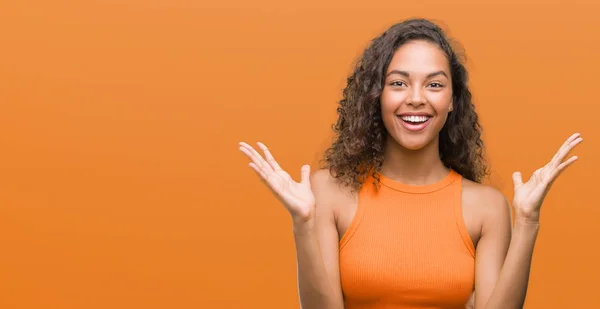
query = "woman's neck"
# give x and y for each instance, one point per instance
(413, 167)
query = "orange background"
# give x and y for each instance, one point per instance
(121, 183)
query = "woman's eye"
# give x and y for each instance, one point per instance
(397, 83)
(436, 85)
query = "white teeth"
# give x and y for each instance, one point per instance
(415, 118)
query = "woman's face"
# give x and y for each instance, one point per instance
(417, 94)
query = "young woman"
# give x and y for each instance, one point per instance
(398, 217)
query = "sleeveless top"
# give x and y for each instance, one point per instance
(408, 247)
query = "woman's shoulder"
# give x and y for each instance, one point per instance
(323, 182)
(329, 190)
(484, 199)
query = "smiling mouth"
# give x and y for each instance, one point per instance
(414, 119)
(415, 123)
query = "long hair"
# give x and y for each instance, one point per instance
(357, 149)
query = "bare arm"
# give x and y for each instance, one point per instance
(505, 285)
(317, 254)
(503, 258)
(511, 288)
(309, 203)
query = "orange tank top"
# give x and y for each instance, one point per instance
(408, 247)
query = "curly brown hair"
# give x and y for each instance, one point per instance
(360, 135)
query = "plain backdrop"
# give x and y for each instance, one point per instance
(121, 184)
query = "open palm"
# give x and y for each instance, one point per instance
(529, 196)
(297, 197)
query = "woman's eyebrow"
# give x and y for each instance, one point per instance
(406, 74)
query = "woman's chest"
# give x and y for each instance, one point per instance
(468, 216)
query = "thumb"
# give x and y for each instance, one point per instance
(305, 174)
(517, 179)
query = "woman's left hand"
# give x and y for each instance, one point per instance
(530, 195)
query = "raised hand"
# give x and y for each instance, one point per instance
(297, 197)
(530, 195)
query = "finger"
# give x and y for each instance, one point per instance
(567, 150)
(565, 144)
(556, 172)
(264, 178)
(250, 154)
(255, 157)
(557, 153)
(264, 172)
(517, 179)
(270, 159)
(564, 165)
(258, 171)
(305, 174)
(564, 150)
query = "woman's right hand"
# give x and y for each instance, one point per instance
(297, 197)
